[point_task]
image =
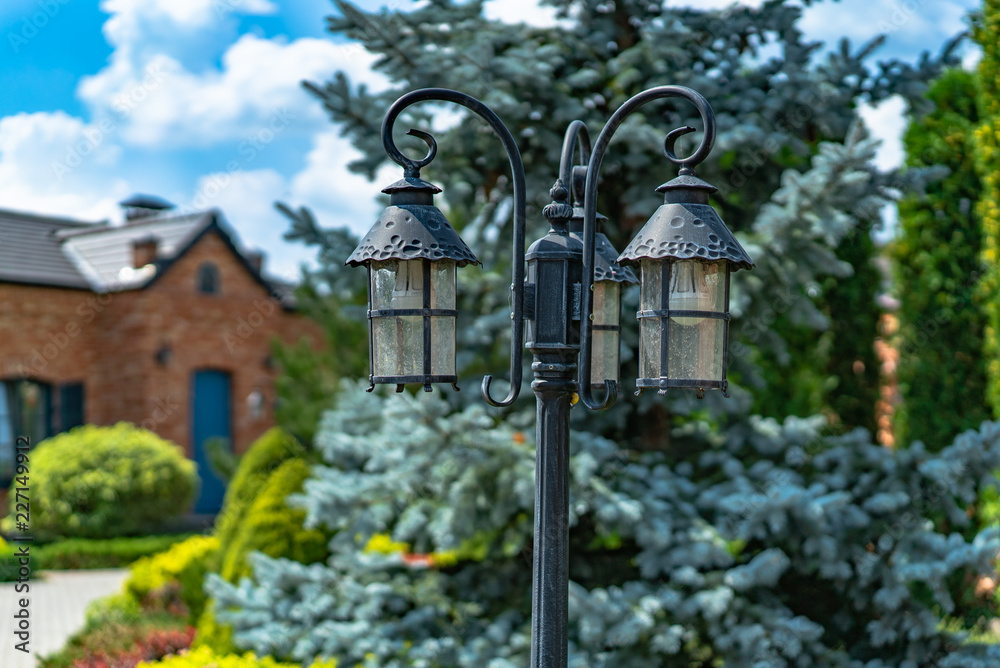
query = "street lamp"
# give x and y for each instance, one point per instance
(566, 310)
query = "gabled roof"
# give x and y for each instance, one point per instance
(59, 252)
(103, 254)
(31, 253)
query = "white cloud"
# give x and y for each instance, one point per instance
(160, 101)
(338, 197)
(53, 163)
(163, 103)
(130, 18)
(521, 11)
(895, 18)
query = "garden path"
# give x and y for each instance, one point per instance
(57, 604)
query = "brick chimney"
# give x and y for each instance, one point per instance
(144, 251)
(256, 260)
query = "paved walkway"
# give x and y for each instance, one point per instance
(57, 603)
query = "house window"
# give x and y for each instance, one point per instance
(208, 279)
(25, 410)
(70, 406)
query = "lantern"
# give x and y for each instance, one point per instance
(411, 254)
(685, 254)
(608, 279)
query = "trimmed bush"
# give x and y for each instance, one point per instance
(213, 635)
(113, 638)
(10, 562)
(121, 608)
(81, 553)
(103, 482)
(203, 656)
(263, 457)
(273, 528)
(185, 564)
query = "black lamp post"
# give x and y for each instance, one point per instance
(684, 253)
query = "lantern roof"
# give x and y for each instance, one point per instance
(412, 228)
(686, 227)
(606, 267)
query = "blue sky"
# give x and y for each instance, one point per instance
(199, 101)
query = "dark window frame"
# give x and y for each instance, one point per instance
(209, 282)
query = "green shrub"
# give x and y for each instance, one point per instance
(120, 608)
(221, 458)
(203, 656)
(265, 455)
(102, 482)
(80, 553)
(213, 635)
(10, 562)
(273, 528)
(185, 564)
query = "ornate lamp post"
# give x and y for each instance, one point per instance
(565, 310)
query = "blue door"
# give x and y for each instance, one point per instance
(210, 410)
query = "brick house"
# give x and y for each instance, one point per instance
(162, 321)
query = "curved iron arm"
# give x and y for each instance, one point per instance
(576, 135)
(412, 168)
(590, 208)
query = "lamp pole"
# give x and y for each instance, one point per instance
(685, 252)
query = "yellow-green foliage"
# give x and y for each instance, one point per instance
(185, 563)
(213, 635)
(987, 142)
(203, 657)
(273, 528)
(265, 455)
(101, 482)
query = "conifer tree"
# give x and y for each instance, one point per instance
(937, 265)
(775, 115)
(987, 34)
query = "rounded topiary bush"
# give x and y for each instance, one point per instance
(102, 482)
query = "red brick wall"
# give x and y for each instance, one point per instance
(49, 334)
(111, 343)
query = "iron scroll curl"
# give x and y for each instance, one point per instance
(412, 168)
(686, 165)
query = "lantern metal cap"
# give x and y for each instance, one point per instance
(687, 181)
(686, 227)
(606, 267)
(412, 228)
(411, 184)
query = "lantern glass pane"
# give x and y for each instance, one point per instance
(696, 286)
(607, 303)
(443, 327)
(443, 284)
(398, 345)
(397, 341)
(695, 351)
(604, 362)
(442, 346)
(650, 298)
(649, 348)
(651, 282)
